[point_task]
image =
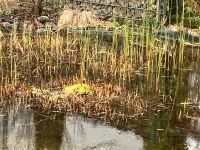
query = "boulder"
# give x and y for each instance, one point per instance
(41, 31)
(8, 25)
(43, 19)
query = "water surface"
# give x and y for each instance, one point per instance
(22, 128)
(176, 127)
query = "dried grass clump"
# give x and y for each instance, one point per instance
(8, 4)
(195, 5)
(75, 18)
(1, 35)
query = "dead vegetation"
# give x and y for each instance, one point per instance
(1, 34)
(8, 4)
(195, 5)
(105, 102)
(76, 18)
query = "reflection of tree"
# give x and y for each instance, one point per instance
(78, 127)
(2, 130)
(83, 134)
(19, 130)
(193, 84)
(193, 96)
(78, 130)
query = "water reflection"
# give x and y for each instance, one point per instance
(22, 129)
(17, 129)
(193, 84)
(85, 135)
(193, 94)
(192, 143)
(49, 131)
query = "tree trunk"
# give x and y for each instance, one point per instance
(37, 7)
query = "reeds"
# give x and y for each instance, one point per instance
(45, 55)
(118, 58)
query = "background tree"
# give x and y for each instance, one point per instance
(37, 7)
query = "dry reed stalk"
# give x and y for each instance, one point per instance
(1, 35)
(195, 5)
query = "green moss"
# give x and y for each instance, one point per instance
(77, 88)
(39, 91)
(67, 90)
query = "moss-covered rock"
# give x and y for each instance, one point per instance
(61, 94)
(77, 89)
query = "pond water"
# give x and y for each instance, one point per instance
(21, 128)
(177, 127)
(174, 125)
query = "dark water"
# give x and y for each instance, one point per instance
(21, 128)
(177, 127)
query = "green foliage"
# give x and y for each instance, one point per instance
(193, 22)
(188, 10)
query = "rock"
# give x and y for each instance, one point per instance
(2, 18)
(8, 25)
(43, 19)
(41, 31)
(47, 9)
(51, 26)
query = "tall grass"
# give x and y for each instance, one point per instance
(135, 50)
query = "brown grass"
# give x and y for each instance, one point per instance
(1, 34)
(195, 5)
(76, 18)
(12, 4)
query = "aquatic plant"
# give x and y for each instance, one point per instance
(117, 56)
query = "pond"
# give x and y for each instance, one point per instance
(21, 128)
(119, 87)
(177, 127)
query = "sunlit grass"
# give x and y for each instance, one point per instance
(135, 52)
